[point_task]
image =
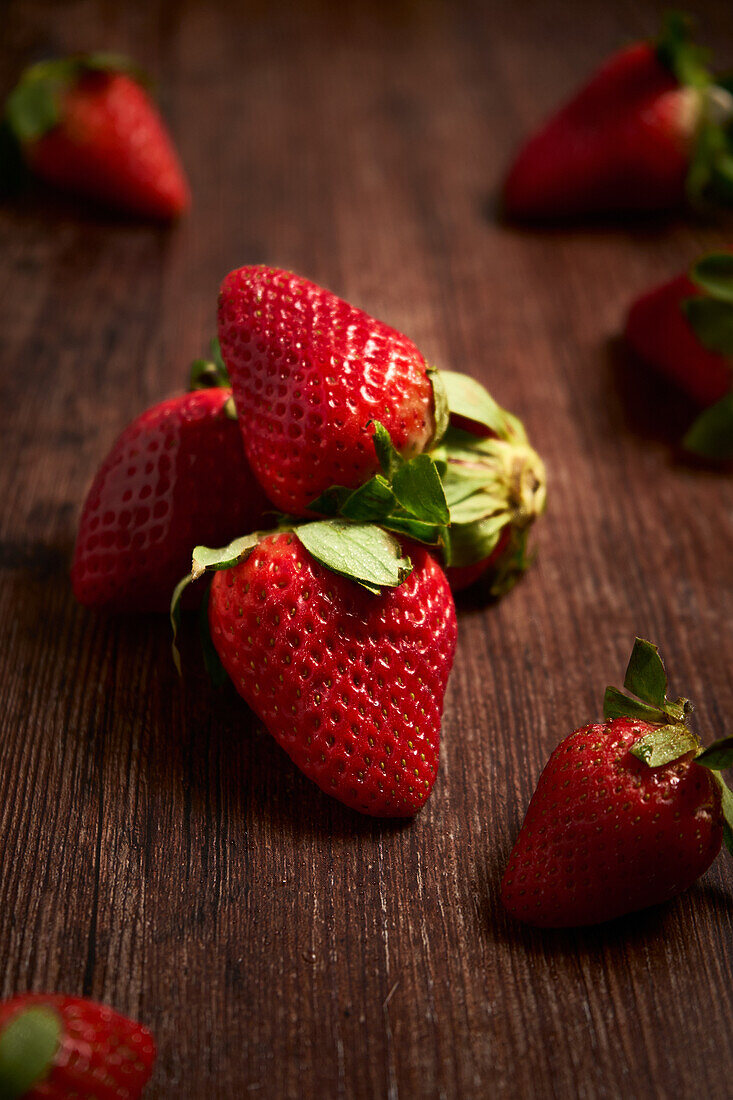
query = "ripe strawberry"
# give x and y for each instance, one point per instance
(684, 329)
(87, 125)
(648, 130)
(626, 813)
(56, 1047)
(348, 677)
(176, 475)
(309, 373)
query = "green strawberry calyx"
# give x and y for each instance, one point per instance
(646, 679)
(363, 552)
(28, 1047)
(34, 105)
(212, 373)
(710, 176)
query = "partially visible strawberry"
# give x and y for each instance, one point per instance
(54, 1047)
(347, 675)
(626, 814)
(647, 132)
(309, 374)
(87, 125)
(176, 475)
(684, 329)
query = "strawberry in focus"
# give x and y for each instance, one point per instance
(626, 814)
(684, 330)
(87, 125)
(175, 476)
(309, 374)
(56, 1047)
(648, 132)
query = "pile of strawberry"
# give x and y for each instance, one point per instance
(348, 486)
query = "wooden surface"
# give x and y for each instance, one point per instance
(158, 851)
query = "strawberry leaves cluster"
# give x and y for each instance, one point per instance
(711, 316)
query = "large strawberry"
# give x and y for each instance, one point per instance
(684, 329)
(54, 1047)
(87, 124)
(176, 475)
(626, 814)
(309, 373)
(649, 131)
(343, 647)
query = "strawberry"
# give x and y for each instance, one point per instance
(175, 475)
(87, 125)
(647, 132)
(346, 674)
(626, 814)
(309, 373)
(56, 1047)
(684, 329)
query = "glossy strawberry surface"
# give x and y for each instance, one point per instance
(605, 834)
(111, 145)
(102, 1055)
(659, 332)
(350, 684)
(309, 373)
(177, 476)
(623, 142)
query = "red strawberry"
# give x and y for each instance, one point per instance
(86, 124)
(626, 814)
(309, 373)
(176, 476)
(56, 1047)
(648, 129)
(684, 329)
(349, 681)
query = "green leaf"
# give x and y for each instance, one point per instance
(370, 503)
(362, 552)
(717, 756)
(479, 505)
(28, 1046)
(331, 501)
(441, 412)
(676, 51)
(212, 662)
(645, 676)
(418, 488)
(618, 705)
(714, 274)
(32, 109)
(389, 458)
(712, 321)
(711, 435)
(726, 800)
(665, 744)
(469, 399)
(472, 542)
(430, 533)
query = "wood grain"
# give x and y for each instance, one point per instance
(158, 850)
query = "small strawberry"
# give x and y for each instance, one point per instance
(309, 373)
(684, 329)
(87, 125)
(176, 474)
(648, 131)
(342, 647)
(56, 1047)
(626, 814)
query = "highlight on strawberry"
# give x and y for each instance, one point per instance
(684, 330)
(626, 814)
(342, 645)
(87, 125)
(342, 417)
(176, 475)
(56, 1047)
(652, 130)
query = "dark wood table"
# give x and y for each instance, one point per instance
(158, 851)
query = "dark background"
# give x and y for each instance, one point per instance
(159, 852)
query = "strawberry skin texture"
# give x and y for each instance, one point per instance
(102, 1055)
(606, 835)
(350, 684)
(623, 143)
(309, 372)
(176, 477)
(660, 333)
(112, 146)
